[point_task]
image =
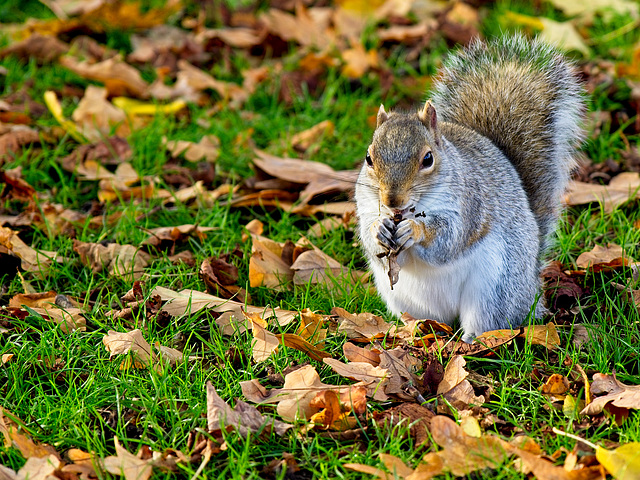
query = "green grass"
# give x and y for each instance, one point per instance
(68, 392)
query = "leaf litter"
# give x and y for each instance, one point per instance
(398, 361)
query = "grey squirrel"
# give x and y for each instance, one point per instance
(457, 202)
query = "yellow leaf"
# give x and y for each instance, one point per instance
(136, 107)
(51, 100)
(623, 462)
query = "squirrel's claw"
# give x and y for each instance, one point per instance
(405, 235)
(384, 231)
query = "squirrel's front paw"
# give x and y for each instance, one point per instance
(407, 234)
(385, 232)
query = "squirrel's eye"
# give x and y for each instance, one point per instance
(427, 161)
(368, 159)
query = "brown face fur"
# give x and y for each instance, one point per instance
(399, 145)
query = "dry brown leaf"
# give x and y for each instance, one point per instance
(454, 373)
(375, 379)
(416, 416)
(311, 327)
(7, 474)
(401, 366)
(13, 137)
(35, 261)
(358, 61)
(354, 353)
(555, 387)
(319, 178)
(83, 464)
(43, 48)
(207, 149)
(69, 318)
(314, 266)
(127, 465)
(118, 343)
(304, 140)
(360, 325)
(235, 37)
(600, 258)
(232, 319)
(119, 78)
(40, 468)
(296, 341)
(621, 189)
(407, 33)
(96, 116)
(175, 234)
(545, 335)
(172, 355)
(124, 261)
(294, 398)
(16, 439)
(302, 27)
(332, 413)
(264, 343)
(617, 393)
(244, 417)
(267, 267)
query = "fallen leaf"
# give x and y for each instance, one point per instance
(417, 417)
(267, 267)
(124, 261)
(118, 343)
(191, 301)
(621, 189)
(39, 468)
(36, 261)
(617, 393)
(545, 335)
(294, 398)
(606, 8)
(304, 140)
(127, 465)
(264, 343)
(603, 258)
(13, 137)
(316, 267)
(358, 61)
(311, 327)
(561, 34)
(44, 49)
(207, 149)
(373, 378)
(119, 78)
(319, 178)
(555, 387)
(301, 27)
(354, 353)
(15, 437)
(360, 325)
(244, 418)
(332, 414)
(96, 117)
(454, 373)
(297, 342)
(623, 463)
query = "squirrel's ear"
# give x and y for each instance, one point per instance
(429, 119)
(382, 116)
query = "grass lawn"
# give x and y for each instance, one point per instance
(69, 393)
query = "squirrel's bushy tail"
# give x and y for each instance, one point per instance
(526, 98)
